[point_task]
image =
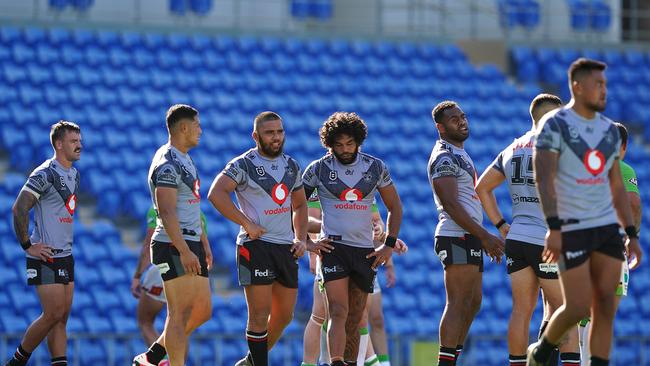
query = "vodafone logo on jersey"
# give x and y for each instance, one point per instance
(279, 193)
(71, 204)
(594, 162)
(351, 195)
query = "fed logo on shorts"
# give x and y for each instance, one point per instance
(163, 268)
(267, 273)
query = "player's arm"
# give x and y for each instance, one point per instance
(624, 212)
(487, 183)
(545, 162)
(206, 242)
(300, 221)
(20, 210)
(143, 262)
(314, 220)
(219, 196)
(635, 205)
(379, 234)
(166, 203)
(446, 188)
(393, 222)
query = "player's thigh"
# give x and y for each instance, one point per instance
(577, 287)
(375, 310)
(552, 291)
(337, 296)
(148, 308)
(259, 299)
(283, 298)
(460, 281)
(525, 289)
(606, 273)
(53, 298)
(182, 292)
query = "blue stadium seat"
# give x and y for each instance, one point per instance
(59, 4)
(201, 7)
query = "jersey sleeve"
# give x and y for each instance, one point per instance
(444, 166)
(37, 183)
(152, 217)
(234, 171)
(384, 179)
(548, 136)
(298, 183)
(497, 164)
(166, 175)
(629, 178)
(309, 177)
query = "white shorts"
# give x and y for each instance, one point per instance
(376, 289)
(152, 284)
(621, 290)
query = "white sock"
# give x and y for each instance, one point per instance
(324, 356)
(385, 363)
(583, 338)
(363, 345)
(371, 361)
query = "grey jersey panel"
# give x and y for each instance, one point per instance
(449, 161)
(346, 194)
(56, 188)
(264, 188)
(516, 164)
(587, 149)
(174, 169)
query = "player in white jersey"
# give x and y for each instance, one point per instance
(52, 191)
(576, 160)
(459, 238)
(175, 246)
(272, 215)
(347, 181)
(525, 237)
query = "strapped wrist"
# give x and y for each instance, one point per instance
(500, 223)
(26, 244)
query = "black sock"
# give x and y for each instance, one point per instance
(156, 353)
(597, 361)
(543, 352)
(258, 347)
(60, 361)
(338, 363)
(459, 350)
(555, 355)
(542, 328)
(517, 360)
(446, 356)
(20, 357)
(570, 358)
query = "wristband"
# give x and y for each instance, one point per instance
(390, 241)
(631, 232)
(26, 244)
(554, 223)
(500, 223)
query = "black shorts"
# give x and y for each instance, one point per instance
(60, 270)
(520, 255)
(577, 245)
(260, 263)
(459, 250)
(168, 260)
(347, 261)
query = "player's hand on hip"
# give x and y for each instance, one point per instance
(41, 251)
(504, 230)
(320, 245)
(381, 254)
(400, 247)
(190, 262)
(552, 246)
(298, 248)
(254, 231)
(493, 246)
(135, 287)
(377, 232)
(634, 252)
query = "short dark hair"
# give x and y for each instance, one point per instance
(58, 130)
(178, 112)
(439, 109)
(542, 99)
(265, 117)
(584, 66)
(343, 123)
(622, 130)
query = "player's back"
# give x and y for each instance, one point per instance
(516, 164)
